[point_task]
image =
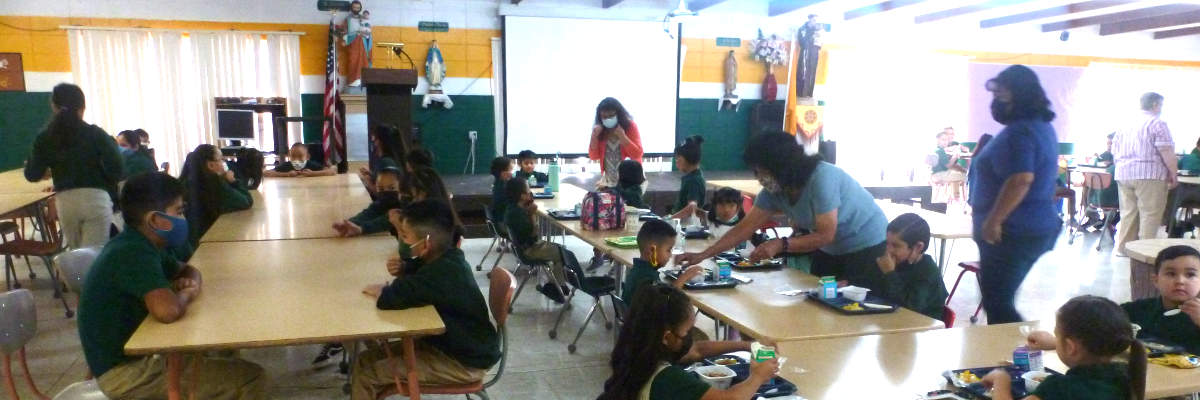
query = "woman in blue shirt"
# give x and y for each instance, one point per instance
(1012, 190)
(847, 229)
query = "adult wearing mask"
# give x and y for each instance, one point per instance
(1012, 190)
(847, 230)
(85, 165)
(615, 137)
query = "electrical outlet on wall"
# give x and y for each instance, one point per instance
(473, 135)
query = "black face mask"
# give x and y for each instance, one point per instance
(1000, 111)
(683, 349)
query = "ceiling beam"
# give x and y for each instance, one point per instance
(954, 12)
(878, 8)
(610, 3)
(1120, 16)
(780, 7)
(697, 5)
(1165, 21)
(1195, 30)
(1052, 12)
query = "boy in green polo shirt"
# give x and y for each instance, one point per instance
(440, 276)
(526, 159)
(655, 239)
(1177, 277)
(519, 220)
(690, 203)
(911, 277)
(501, 173)
(374, 218)
(298, 164)
(135, 276)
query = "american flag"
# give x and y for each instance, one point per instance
(333, 135)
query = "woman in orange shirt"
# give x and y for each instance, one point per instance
(615, 137)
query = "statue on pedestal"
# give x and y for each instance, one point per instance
(435, 72)
(810, 52)
(730, 100)
(356, 36)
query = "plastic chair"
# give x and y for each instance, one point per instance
(85, 390)
(46, 250)
(595, 286)
(948, 316)
(500, 294)
(18, 324)
(1099, 182)
(967, 266)
(497, 236)
(13, 228)
(73, 267)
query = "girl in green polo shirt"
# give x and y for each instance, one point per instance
(1089, 332)
(690, 202)
(212, 190)
(656, 335)
(137, 158)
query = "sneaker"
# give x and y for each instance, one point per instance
(551, 292)
(596, 263)
(328, 351)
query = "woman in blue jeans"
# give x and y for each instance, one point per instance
(1012, 190)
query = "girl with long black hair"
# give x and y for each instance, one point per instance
(390, 151)
(137, 158)
(85, 165)
(211, 190)
(656, 336)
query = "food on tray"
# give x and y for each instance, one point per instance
(852, 307)
(1039, 378)
(968, 377)
(725, 361)
(744, 263)
(715, 374)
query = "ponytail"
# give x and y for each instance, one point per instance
(1137, 371)
(67, 100)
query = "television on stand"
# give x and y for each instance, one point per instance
(235, 126)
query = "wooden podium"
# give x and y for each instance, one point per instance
(389, 101)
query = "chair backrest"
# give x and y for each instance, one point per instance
(75, 265)
(574, 271)
(501, 289)
(1097, 181)
(948, 317)
(18, 320)
(85, 390)
(518, 249)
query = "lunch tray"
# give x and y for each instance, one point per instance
(775, 387)
(543, 195)
(707, 284)
(564, 215)
(696, 234)
(837, 303)
(648, 216)
(734, 259)
(979, 392)
(1156, 347)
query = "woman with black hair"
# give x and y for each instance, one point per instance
(211, 190)
(658, 335)
(137, 158)
(84, 163)
(847, 229)
(1012, 190)
(615, 137)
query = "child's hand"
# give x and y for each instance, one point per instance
(395, 265)
(340, 227)
(689, 273)
(764, 370)
(373, 291)
(185, 284)
(886, 264)
(293, 174)
(1000, 382)
(1042, 340)
(1192, 309)
(230, 177)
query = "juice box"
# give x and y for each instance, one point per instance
(828, 287)
(1027, 359)
(725, 268)
(761, 352)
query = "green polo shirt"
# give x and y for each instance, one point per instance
(112, 304)
(520, 226)
(138, 162)
(1177, 329)
(691, 188)
(1190, 161)
(917, 287)
(447, 283)
(640, 275)
(540, 177)
(89, 160)
(632, 195)
(943, 159)
(500, 200)
(1109, 381)
(235, 196)
(374, 218)
(673, 383)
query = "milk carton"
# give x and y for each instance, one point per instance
(828, 287)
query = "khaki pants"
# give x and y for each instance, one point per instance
(85, 215)
(374, 373)
(1142, 205)
(552, 254)
(215, 378)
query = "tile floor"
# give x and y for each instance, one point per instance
(541, 368)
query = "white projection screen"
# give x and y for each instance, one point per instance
(558, 69)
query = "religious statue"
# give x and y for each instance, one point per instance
(731, 71)
(435, 72)
(356, 36)
(810, 51)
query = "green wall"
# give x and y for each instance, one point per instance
(22, 116)
(724, 132)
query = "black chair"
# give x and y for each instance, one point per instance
(532, 269)
(595, 286)
(497, 236)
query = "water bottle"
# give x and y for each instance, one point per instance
(678, 248)
(553, 183)
(531, 180)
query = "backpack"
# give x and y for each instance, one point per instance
(602, 210)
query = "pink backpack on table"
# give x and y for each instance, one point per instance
(602, 210)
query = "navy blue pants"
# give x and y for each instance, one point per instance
(1003, 266)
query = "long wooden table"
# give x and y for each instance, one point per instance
(752, 308)
(286, 292)
(902, 365)
(293, 208)
(13, 181)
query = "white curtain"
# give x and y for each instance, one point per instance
(165, 82)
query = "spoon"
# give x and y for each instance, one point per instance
(1171, 312)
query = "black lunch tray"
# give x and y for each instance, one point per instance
(777, 386)
(735, 258)
(979, 392)
(837, 303)
(707, 284)
(564, 215)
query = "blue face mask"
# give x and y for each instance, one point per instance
(125, 151)
(177, 236)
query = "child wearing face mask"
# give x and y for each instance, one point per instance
(520, 222)
(137, 158)
(656, 338)
(1177, 277)
(1089, 333)
(212, 190)
(437, 274)
(299, 165)
(374, 218)
(136, 276)
(911, 277)
(690, 202)
(725, 211)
